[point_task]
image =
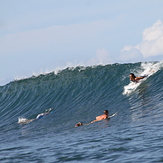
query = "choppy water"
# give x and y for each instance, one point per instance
(135, 134)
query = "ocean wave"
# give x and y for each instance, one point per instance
(73, 93)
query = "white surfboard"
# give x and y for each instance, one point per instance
(113, 115)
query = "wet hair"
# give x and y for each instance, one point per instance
(133, 75)
(106, 112)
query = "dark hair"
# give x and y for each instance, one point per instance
(133, 75)
(106, 111)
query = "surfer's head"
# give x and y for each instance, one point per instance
(132, 75)
(106, 112)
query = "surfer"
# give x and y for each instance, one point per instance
(133, 78)
(98, 118)
(25, 121)
(101, 117)
(47, 111)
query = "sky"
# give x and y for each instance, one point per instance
(41, 36)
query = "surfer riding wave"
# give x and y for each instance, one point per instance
(133, 78)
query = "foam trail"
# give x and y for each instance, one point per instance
(22, 120)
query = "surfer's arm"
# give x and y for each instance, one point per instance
(141, 77)
(138, 78)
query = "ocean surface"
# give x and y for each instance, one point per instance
(79, 94)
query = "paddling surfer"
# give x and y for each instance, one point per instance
(135, 79)
(98, 118)
(101, 117)
(25, 121)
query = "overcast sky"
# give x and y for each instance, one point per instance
(39, 36)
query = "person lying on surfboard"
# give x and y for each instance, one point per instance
(101, 117)
(133, 78)
(25, 121)
(98, 118)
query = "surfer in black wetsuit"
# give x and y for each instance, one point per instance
(135, 79)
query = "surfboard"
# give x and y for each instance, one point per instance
(113, 115)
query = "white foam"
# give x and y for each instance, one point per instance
(130, 87)
(22, 120)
